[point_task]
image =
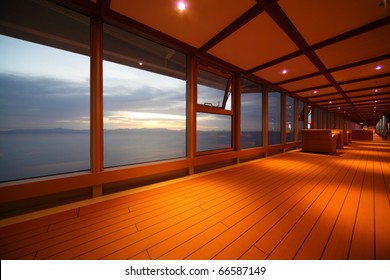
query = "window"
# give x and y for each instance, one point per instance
(214, 132)
(301, 119)
(290, 119)
(214, 90)
(251, 114)
(44, 91)
(309, 118)
(214, 114)
(144, 99)
(274, 120)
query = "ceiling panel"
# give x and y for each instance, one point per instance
(326, 97)
(374, 83)
(317, 92)
(369, 92)
(365, 46)
(259, 41)
(195, 25)
(295, 67)
(366, 70)
(322, 19)
(378, 97)
(307, 83)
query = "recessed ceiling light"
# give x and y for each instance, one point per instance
(140, 63)
(284, 72)
(379, 67)
(315, 92)
(330, 101)
(376, 90)
(181, 5)
(376, 101)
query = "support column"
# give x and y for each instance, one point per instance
(96, 113)
(192, 70)
(236, 99)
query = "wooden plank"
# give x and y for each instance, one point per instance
(254, 254)
(339, 240)
(362, 244)
(133, 244)
(382, 211)
(194, 242)
(17, 228)
(267, 204)
(279, 231)
(315, 242)
(275, 184)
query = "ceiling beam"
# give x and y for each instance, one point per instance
(233, 27)
(352, 33)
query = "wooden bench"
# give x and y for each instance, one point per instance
(319, 141)
(342, 137)
(362, 134)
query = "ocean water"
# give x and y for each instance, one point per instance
(35, 153)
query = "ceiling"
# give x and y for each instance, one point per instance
(331, 49)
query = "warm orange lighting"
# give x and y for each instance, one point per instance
(284, 72)
(181, 5)
(379, 67)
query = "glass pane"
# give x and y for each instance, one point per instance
(274, 121)
(44, 91)
(214, 90)
(251, 115)
(214, 132)
(144, 100)
(290, 112)
(301, 119)
(309, 119)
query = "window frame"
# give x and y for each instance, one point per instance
(202, 108)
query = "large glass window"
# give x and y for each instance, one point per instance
(251, 114)
(214, 113)
(44, 90)
(144, 100)
(290, 119)
(274, 118)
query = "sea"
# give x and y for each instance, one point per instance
(30, 153)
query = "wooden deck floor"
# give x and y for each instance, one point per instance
(292, 206)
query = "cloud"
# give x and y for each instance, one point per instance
(38, 102)
(41, 102)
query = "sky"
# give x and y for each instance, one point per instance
(44, 87)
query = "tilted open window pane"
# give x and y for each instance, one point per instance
(44, 90)
(214, 90)
(144, 86)
(251, 114)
